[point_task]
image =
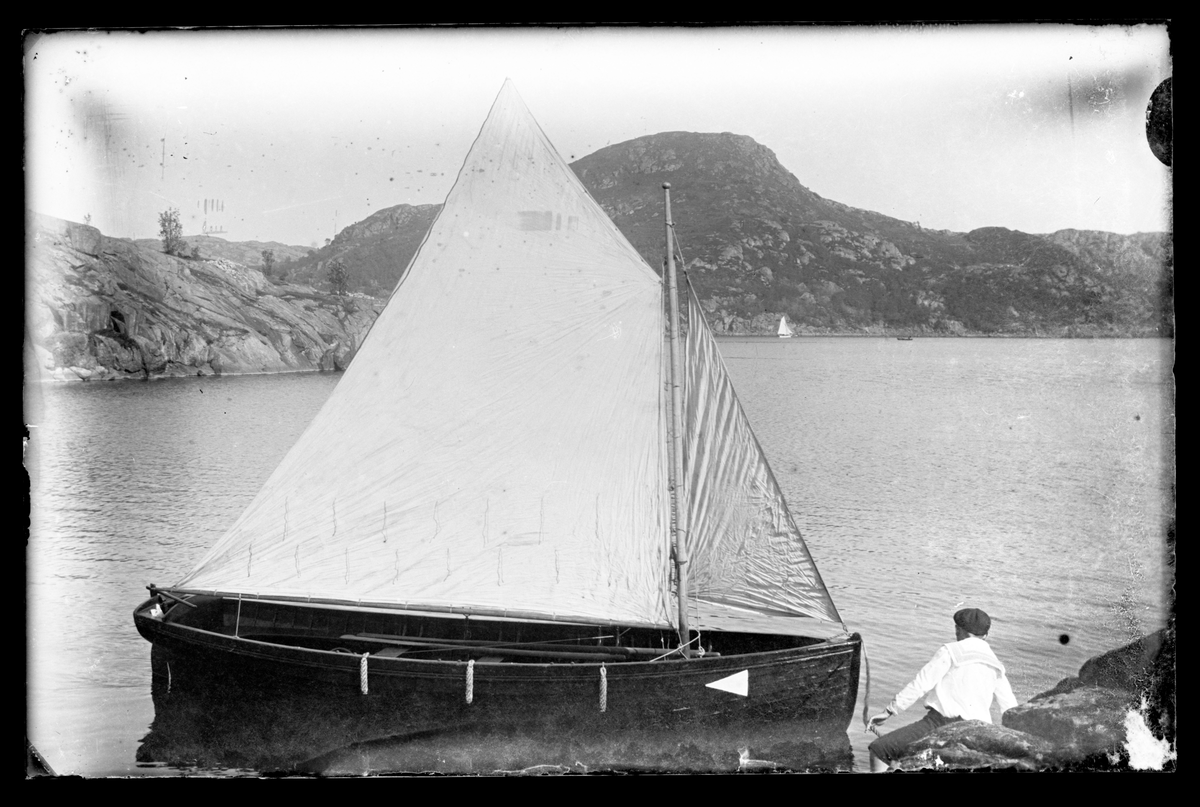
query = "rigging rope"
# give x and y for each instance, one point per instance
(679, 649)
(679, 249)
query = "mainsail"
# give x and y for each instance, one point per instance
(519, 466)
(784, 328)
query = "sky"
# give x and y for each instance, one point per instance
(290, 135)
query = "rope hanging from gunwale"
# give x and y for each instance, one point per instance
(867, 693)
(603, 688)
(362, 673)
(471, 681)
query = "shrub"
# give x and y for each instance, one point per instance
(171, 231)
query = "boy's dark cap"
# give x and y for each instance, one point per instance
(973, 621)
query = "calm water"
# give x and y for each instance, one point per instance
(1028, 477)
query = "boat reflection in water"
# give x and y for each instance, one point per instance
(208, 721)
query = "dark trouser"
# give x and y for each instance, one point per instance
(893, 745)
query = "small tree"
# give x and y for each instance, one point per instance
(268, 263)
(338, 277)
(171, 231)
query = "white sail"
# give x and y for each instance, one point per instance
(750, 566)
(519, 467)
(785, 330)
(515, 466)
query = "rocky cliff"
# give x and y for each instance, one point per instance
(100, 308)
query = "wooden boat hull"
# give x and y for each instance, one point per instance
(815, 684)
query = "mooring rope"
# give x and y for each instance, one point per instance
(867, 694)
(470, 680)
(362, 673)
(603, 688)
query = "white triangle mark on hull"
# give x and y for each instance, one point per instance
(738, 683)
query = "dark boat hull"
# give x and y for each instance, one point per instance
(814, 684)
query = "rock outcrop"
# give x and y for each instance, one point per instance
(1086, 723)
(975, 744)
(1119, 712)
(107, 308)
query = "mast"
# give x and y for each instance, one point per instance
(681, 548)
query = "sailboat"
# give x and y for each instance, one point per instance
(785, 330)
(560, 514)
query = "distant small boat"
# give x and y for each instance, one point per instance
(785, 330)
(904, 338)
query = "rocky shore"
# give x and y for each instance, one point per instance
(1118, 713)
(101, 308)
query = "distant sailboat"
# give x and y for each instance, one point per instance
(785, 330)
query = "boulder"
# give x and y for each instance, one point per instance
(83, 237)
(1141, 674)
(974, 744)
(1082, 723)
(1127, 668)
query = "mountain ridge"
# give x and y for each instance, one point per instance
(760, 245)
(757, 245)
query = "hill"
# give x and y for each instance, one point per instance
(374, 251)
(759, 245)
(247, 253)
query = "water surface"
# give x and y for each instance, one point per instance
(1028, 477)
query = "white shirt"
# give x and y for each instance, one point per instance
(960, 681)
